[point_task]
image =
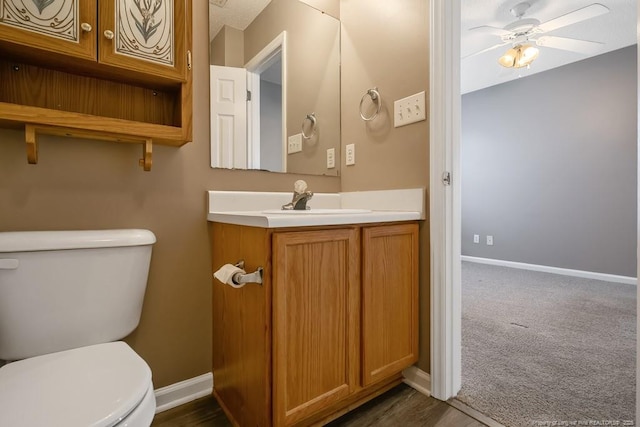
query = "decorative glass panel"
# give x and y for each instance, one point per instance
(144, 30)
(53, 18)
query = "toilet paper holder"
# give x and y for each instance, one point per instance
(255, 277)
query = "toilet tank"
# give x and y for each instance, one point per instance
(68, 289)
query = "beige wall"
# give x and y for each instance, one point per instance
(82, 184)
(217, 49)
(89, 184)
(227, 48)
(385, 44)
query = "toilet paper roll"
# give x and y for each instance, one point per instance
(225, 275)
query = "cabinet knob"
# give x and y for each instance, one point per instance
(86, 27)
(109, 34)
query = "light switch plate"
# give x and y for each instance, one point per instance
(409, 110)
(350, 154)
(294, 144)
(331, 158)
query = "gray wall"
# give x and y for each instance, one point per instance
(549, 167)
(271, 126)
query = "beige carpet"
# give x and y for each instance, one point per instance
(539, 348)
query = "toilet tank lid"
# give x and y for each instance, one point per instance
(25, 241)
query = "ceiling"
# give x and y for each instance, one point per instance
(616, 29)
(235, 13)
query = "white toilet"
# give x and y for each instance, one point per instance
(66, 297)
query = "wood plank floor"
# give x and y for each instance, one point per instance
(400, 406)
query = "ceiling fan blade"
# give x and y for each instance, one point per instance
(576, 16)
(485, 50)
(490, 30)
(574, 45)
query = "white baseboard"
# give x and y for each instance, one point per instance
(556, 270)
(417, 379)
(194, 388)
(183, 392)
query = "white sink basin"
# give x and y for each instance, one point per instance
(317, 212)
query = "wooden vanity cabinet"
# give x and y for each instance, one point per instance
(109, 70)
(332, 325)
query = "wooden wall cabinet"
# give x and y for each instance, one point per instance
(117, 70)
(332, 325)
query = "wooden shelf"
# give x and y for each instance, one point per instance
(93, 126)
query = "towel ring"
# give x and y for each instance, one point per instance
(312, 118)
(376, 98)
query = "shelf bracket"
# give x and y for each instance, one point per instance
(32, 144)
(31, 132)
(146, 160)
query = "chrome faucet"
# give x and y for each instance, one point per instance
(300, 197)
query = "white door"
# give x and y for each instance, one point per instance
(228, 117)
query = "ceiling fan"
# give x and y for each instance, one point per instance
(524, 31)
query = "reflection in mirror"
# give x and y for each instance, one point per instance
(285, 56)
(270, 145)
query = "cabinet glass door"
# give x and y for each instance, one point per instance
(62, 26)
(144, 35)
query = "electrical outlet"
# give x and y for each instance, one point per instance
(409, 110)
(489, 240)
(350, 154)
(331, 158)
(476, 238)
(294, 144)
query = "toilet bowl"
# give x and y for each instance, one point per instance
(67, 298)
(103, 385)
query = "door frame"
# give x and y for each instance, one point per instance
(444, 206)
(445, 203)
(260, 62)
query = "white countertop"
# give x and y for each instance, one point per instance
(273, 220)
(248, 208)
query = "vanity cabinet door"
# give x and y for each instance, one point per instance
(63, 26)
(316, 319)
(144, 35)
(389, 300)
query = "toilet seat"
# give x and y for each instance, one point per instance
(98, 386)
(143, 414)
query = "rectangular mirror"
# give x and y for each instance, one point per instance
(275, 85)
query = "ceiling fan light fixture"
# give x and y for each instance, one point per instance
(528, 54)
(508, 60)
(519, 56)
